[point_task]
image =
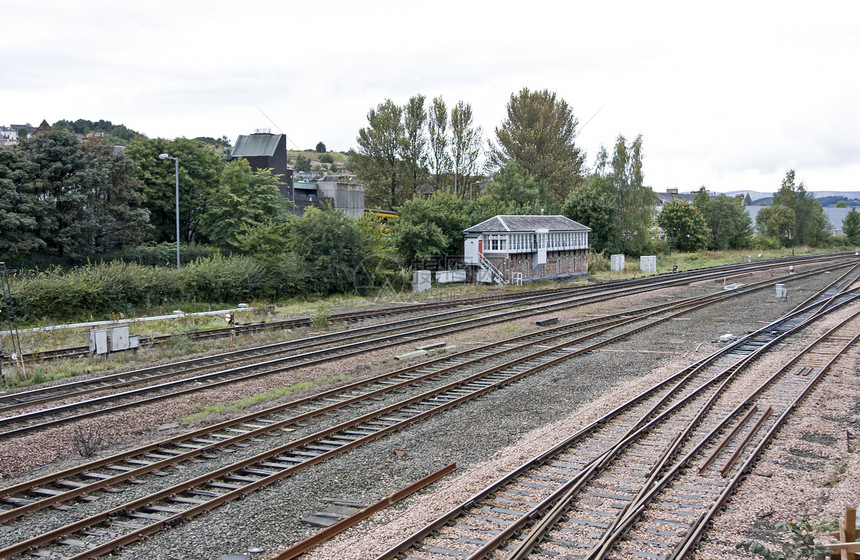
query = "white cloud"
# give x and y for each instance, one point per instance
(729, 95)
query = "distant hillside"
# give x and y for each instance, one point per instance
(118, 134)
(332, 162)
(825, 198)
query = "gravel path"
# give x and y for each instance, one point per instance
(496, 433)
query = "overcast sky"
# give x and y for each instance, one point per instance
(729, 96)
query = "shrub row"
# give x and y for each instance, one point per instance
(101, 290)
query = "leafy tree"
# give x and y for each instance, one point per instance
(117, 196)
(432, 227)
(594, 206)
(539, 134)
(851, 226)
(466, 142)
(332, 249)
(327, 158)
(199, 173)
(777, 222)
(412, 151)
(302, 163)
(19, 208)
(244, 201)
(518, 192)
(633, 199)
(437, 129)
(810, 225)
(116, 134)
(730, 225)
(320, 147)
(377, 160)
(841, 204)
(684, 225)
(66, 217)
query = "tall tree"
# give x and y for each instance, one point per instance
(199, 173)
(635, 201)
(810, 224)
(437, 129)
(19, 207)
(377, 160)
(67, 220)
(122, 220)
(539, 134)
(466, 142)
(414, 146)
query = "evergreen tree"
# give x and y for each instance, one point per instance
(851, 226)
(539, 133)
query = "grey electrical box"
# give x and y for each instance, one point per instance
(648, 264)
(118, 338)
(99, 341)
(421, 281)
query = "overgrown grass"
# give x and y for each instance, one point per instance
(247, 402)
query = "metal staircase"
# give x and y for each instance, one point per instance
(485, 264)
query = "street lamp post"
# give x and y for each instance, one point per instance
(176, 162)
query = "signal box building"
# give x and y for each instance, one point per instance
(516, 249)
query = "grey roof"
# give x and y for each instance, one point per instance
(527, 224)
(669, 197)
(256, 145)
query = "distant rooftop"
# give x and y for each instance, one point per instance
(256, 145)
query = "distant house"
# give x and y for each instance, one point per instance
(513, 249)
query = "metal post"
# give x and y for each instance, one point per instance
(176, 161)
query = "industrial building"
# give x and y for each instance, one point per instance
(515, 249)
(264, 150)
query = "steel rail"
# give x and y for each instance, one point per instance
(744, 268)
(521, 342)
(698, 527)
(244, 464)
(561, 501)
(381, 342)
(634, 509)
(516, 526)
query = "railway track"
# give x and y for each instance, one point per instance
(402, 309)
(583, 331)
(644, 480)
(167, 381)
(186, 500)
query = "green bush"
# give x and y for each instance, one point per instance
(327, 158)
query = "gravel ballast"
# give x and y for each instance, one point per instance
(495, 433)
